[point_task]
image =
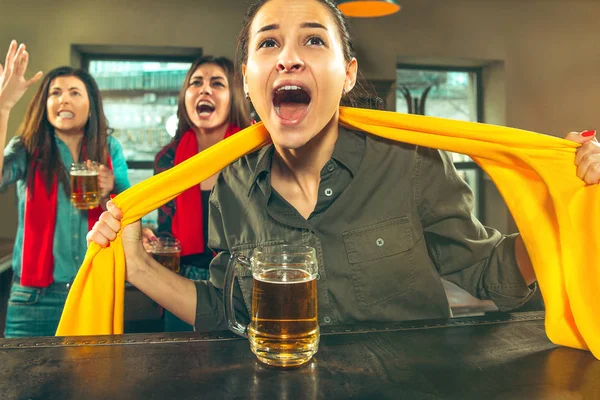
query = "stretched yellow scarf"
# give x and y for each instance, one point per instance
(555, 212)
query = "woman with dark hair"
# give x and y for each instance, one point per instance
(387, 219)
(210, 108)
(64, 123)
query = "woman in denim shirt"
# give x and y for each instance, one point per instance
(65, 123)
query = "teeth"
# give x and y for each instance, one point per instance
(205, 107)
(66, 114)
(289, 87)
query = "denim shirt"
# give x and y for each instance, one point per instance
(390, 220)
(71, 226)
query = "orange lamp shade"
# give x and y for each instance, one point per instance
(368, 8)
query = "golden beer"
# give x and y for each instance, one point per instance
(84, 189)
(168, 258)
(284, 330)
(167, 251)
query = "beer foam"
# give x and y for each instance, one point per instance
(274, 276)
(166, 251)
(84, 173)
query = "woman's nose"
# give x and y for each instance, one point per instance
(205, 89)
(289, 61)
(289, 65)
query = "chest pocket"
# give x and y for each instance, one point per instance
(244, 275)
(381, 260)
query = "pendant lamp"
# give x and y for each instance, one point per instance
(368, 8)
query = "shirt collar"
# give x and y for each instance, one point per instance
(349, 150)
(263, 165)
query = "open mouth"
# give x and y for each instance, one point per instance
(291, 102)
(66, 114)
(205, 108)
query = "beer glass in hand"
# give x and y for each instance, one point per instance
(167, 251)
(284, 327)
(84, 185)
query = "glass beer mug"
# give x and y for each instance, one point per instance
(284, 327)
(84, 185)
(167, 251)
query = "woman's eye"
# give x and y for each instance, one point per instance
(315, 41)
(219, 84)
(267, 43)
(76, 94)
(196, 83)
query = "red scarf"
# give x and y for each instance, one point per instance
(188, 224)
(37, 259)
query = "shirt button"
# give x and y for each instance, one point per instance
(379, 242)
(75, 236)
(328, 192)
(327, 320)
(330, 167)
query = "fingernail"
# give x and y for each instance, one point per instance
(588, 133)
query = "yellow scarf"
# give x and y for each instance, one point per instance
(555, 211)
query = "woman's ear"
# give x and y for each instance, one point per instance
(351, 73)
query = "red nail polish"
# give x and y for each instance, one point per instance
(588, 133)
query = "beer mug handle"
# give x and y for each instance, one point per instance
(233, 323)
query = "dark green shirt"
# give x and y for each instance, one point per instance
(390, 220)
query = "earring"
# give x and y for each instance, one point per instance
(247, 96)
(343, 92)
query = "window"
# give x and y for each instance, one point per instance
(140, 103)
(449, 94)
(445, 92)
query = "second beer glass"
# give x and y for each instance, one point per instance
(284, 327)
(167, 251)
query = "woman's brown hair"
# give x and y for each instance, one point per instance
(239, 110)
(38, 136)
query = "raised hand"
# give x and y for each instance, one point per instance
(12, 76)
